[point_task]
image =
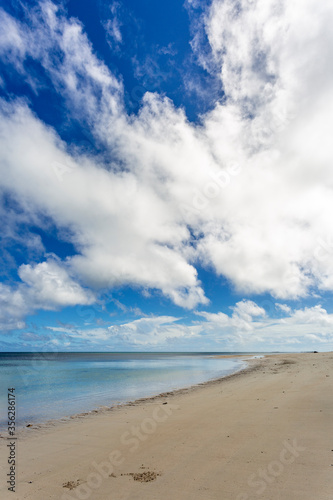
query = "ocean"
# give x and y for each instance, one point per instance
(56, 385)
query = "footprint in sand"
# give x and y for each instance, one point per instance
(143, 477)
(72, 484)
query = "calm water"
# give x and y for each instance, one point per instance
(50, 386)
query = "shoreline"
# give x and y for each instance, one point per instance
(103, 408)
(20, 430)
(263, 431)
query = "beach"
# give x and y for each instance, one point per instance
(265, 432)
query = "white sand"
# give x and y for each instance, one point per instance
(261, 434)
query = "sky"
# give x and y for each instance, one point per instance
(166, 175)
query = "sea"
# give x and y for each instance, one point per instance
(50, 386)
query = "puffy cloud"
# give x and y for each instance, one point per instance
(13, 308)
(314, 316)
(125, 232)
(51, 286)
(246, 329)
(249, 328)
(278, 91)
(248, 309)
(300, 327)
(247, 192)
(241, 321)
(283, 307)
(44, 286)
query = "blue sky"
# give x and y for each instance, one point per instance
(166, 179)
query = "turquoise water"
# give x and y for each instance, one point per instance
(54, 385)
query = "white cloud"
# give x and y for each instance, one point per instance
(113, 26)
(51, 286)
(153, 331)
(125, 231)
(248, 328)
(43, 286)
(13, 308)
(12, 46)
(283, 307)
(273, 62)
(147, 331)
(257, 225)
(248, 309)
(240, 322)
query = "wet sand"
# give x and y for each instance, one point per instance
(265, 432)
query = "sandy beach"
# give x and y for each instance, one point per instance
(265, 432)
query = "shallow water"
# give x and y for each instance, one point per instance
(55, 385)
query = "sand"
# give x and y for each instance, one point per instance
(264, 433)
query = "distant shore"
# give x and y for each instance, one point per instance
(263, 432)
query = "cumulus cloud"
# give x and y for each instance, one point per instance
(51, 285)
(47, 286)
(13, 308)
(125, 232)
(279, 96)
(233, 328)
(247, 328)
(247, 192)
